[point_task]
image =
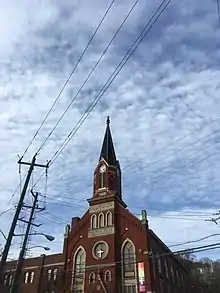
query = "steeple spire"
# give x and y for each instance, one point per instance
(108, 151)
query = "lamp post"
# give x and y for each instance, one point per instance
(49, 237)
(39, 246)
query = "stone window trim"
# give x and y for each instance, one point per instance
(93, 221)
(76, 252)
(55, 272)
(28, 277)
(74, 275)
(130, 288)
(49, 274)
(96, 244)
(101, 220)
(32, 277)
(11, 277)
(128, 248)
(102, 176)
(108, 276)
(108, 219)
(8, 278)
(92, 278)
(134, 279)
(52, 274)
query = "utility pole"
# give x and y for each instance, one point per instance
(16, 216)
(17, 276)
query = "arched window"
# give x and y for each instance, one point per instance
(92, 278)
(93, 221)
(102, 176)
(80, 262)
(108, 219)
(129, 257)
(107, 276)
(101, 220)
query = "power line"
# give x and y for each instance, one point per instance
(112, 77)
(70, 75)
(198, 240)
(177, 140)
(13, 194)
(169, 252)
(6, 211)
(64, 198)
(173, 216)
(155, 179)
(90, 74)
(166, 167)
(177, 151)
(117, 70)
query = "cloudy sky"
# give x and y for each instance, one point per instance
(164, 105)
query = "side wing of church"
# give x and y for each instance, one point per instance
(109, 249)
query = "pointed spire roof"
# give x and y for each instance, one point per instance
(108, 151)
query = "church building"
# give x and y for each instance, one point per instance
(111, 250)
(108, 249)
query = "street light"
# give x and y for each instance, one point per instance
(49, 237)
(39, 246)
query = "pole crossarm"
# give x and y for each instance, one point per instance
(17, 276)
(35, 225)
(17, 214)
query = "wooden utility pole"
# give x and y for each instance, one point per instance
(16, 216)
(17, 276)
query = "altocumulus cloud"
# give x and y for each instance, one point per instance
(169, 89)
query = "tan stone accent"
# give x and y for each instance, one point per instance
(54, 264)
(101, 207)
(129, 274)
(101, 231)
(130, 282)
(101, 266)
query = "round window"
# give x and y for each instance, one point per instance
(100, 250)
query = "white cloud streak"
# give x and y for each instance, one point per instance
(168, 89)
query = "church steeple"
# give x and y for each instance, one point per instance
(108, 151)
(107, 174)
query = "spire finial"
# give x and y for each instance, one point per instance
(108, 120)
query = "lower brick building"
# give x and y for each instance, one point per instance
(108, 249)
(40, 274)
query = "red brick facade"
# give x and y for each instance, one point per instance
(108, 249)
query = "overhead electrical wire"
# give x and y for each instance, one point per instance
(155, 179)
(11, 197)
(177, 151)
(89, 75)
(165, 254)
(162, 7)
(177, 140)
(112, 77)
(197, 240)
(180, 214)
(70, 75)
(167, 167)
